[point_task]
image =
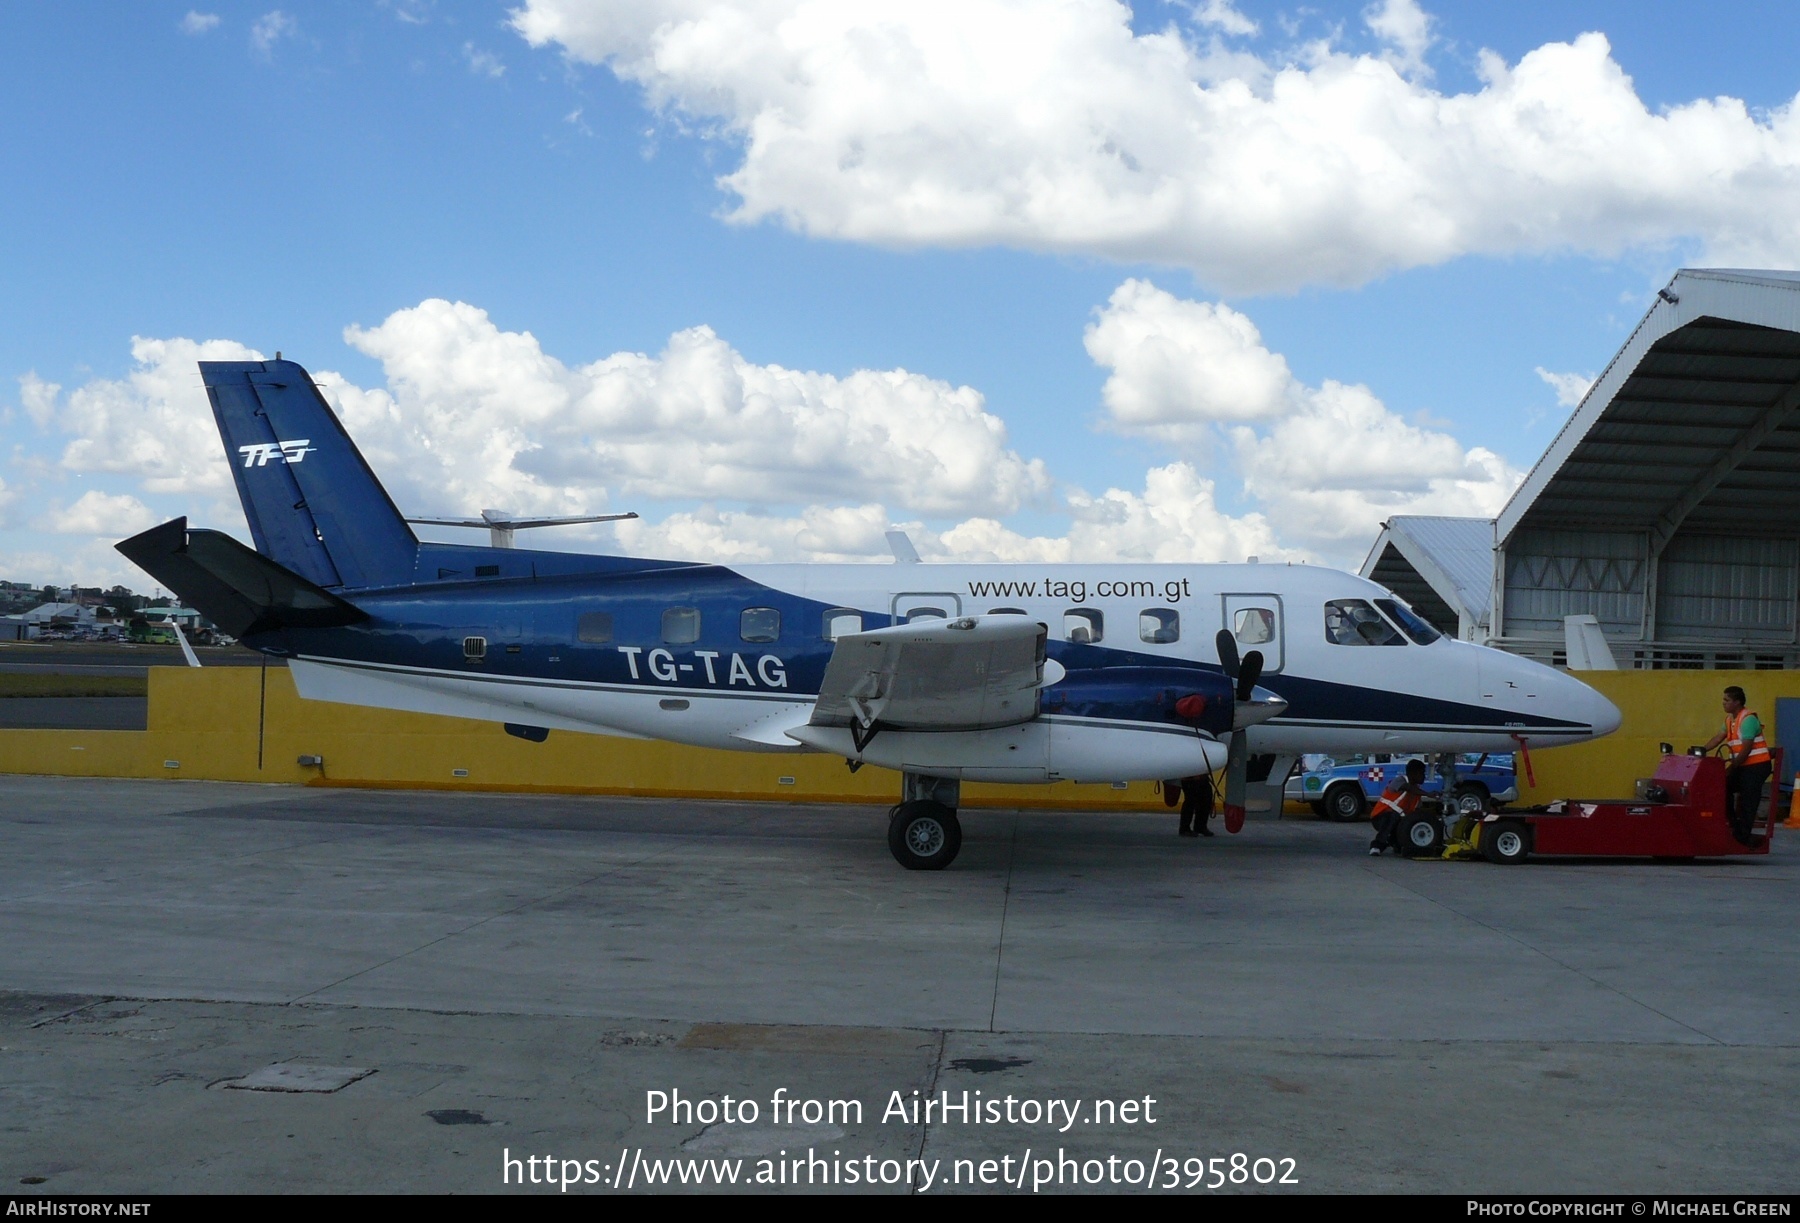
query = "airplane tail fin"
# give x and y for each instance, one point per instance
(313, 504)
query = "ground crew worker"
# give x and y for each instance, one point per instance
(1196, 805)
(1399, 800)
(1747, 765)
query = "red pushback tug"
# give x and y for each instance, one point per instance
(1679, 813)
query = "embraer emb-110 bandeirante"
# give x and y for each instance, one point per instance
(943, 672)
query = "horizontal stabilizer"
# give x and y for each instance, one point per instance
(239, 590)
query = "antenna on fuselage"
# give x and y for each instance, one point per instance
(501, 524)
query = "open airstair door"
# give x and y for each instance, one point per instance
(971, 673)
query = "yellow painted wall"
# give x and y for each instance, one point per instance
(1675, 707)
(204, 722)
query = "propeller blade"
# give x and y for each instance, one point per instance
(1237, 767)
(1248, 673)
(1228, 655)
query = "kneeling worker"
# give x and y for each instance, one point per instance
(1748, 765)
(1399, 800)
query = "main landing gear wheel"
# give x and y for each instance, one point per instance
(1344, 802)
(924, 836)
(1420, 836)
(1505, 842)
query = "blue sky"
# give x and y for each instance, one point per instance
(273, 176)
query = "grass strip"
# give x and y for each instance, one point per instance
(72, 685)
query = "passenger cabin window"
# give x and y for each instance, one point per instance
(925, 613)
(1415, 625)
(1083, 626)
(759, 624)
(594, 626)
(1354, 622)
(681, 625)
(841, 620)
(1007, 611)
(1159, 625)
(1253, 626)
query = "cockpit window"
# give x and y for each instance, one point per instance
(1354, 622)
(1415, 625)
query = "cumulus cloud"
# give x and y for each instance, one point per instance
(1327, 464)
(1330, 473)
(1175, 518)
(1056, 127)
(154, 424)
(1223, 16)
(798, 465)
(1569, 388)
(820, 533)
(1406, 29)
(98, 513)
(197, 22)
(38, 398)
(1178, 366)
(476, 417)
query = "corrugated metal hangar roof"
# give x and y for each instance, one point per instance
(1692, 424)
(1667, 507)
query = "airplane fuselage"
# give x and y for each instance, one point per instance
(732, 657)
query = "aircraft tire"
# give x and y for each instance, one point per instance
(1420, 836)
(924, 836)
(1344, 802)
(1505, 842)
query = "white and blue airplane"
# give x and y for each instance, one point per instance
(943, 672)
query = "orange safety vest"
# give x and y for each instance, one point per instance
(1396, 799)
(1734, 742)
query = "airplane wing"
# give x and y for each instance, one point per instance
(973, 673)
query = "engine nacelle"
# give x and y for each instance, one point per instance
(1179, 696)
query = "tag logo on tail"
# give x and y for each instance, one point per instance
(261, 453)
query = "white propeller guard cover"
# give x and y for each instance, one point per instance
(972, 673)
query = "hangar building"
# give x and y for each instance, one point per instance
(1668, 507)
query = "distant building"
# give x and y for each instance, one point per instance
(45, 614)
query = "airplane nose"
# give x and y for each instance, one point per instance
(1606, 716)
(1595, 709)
